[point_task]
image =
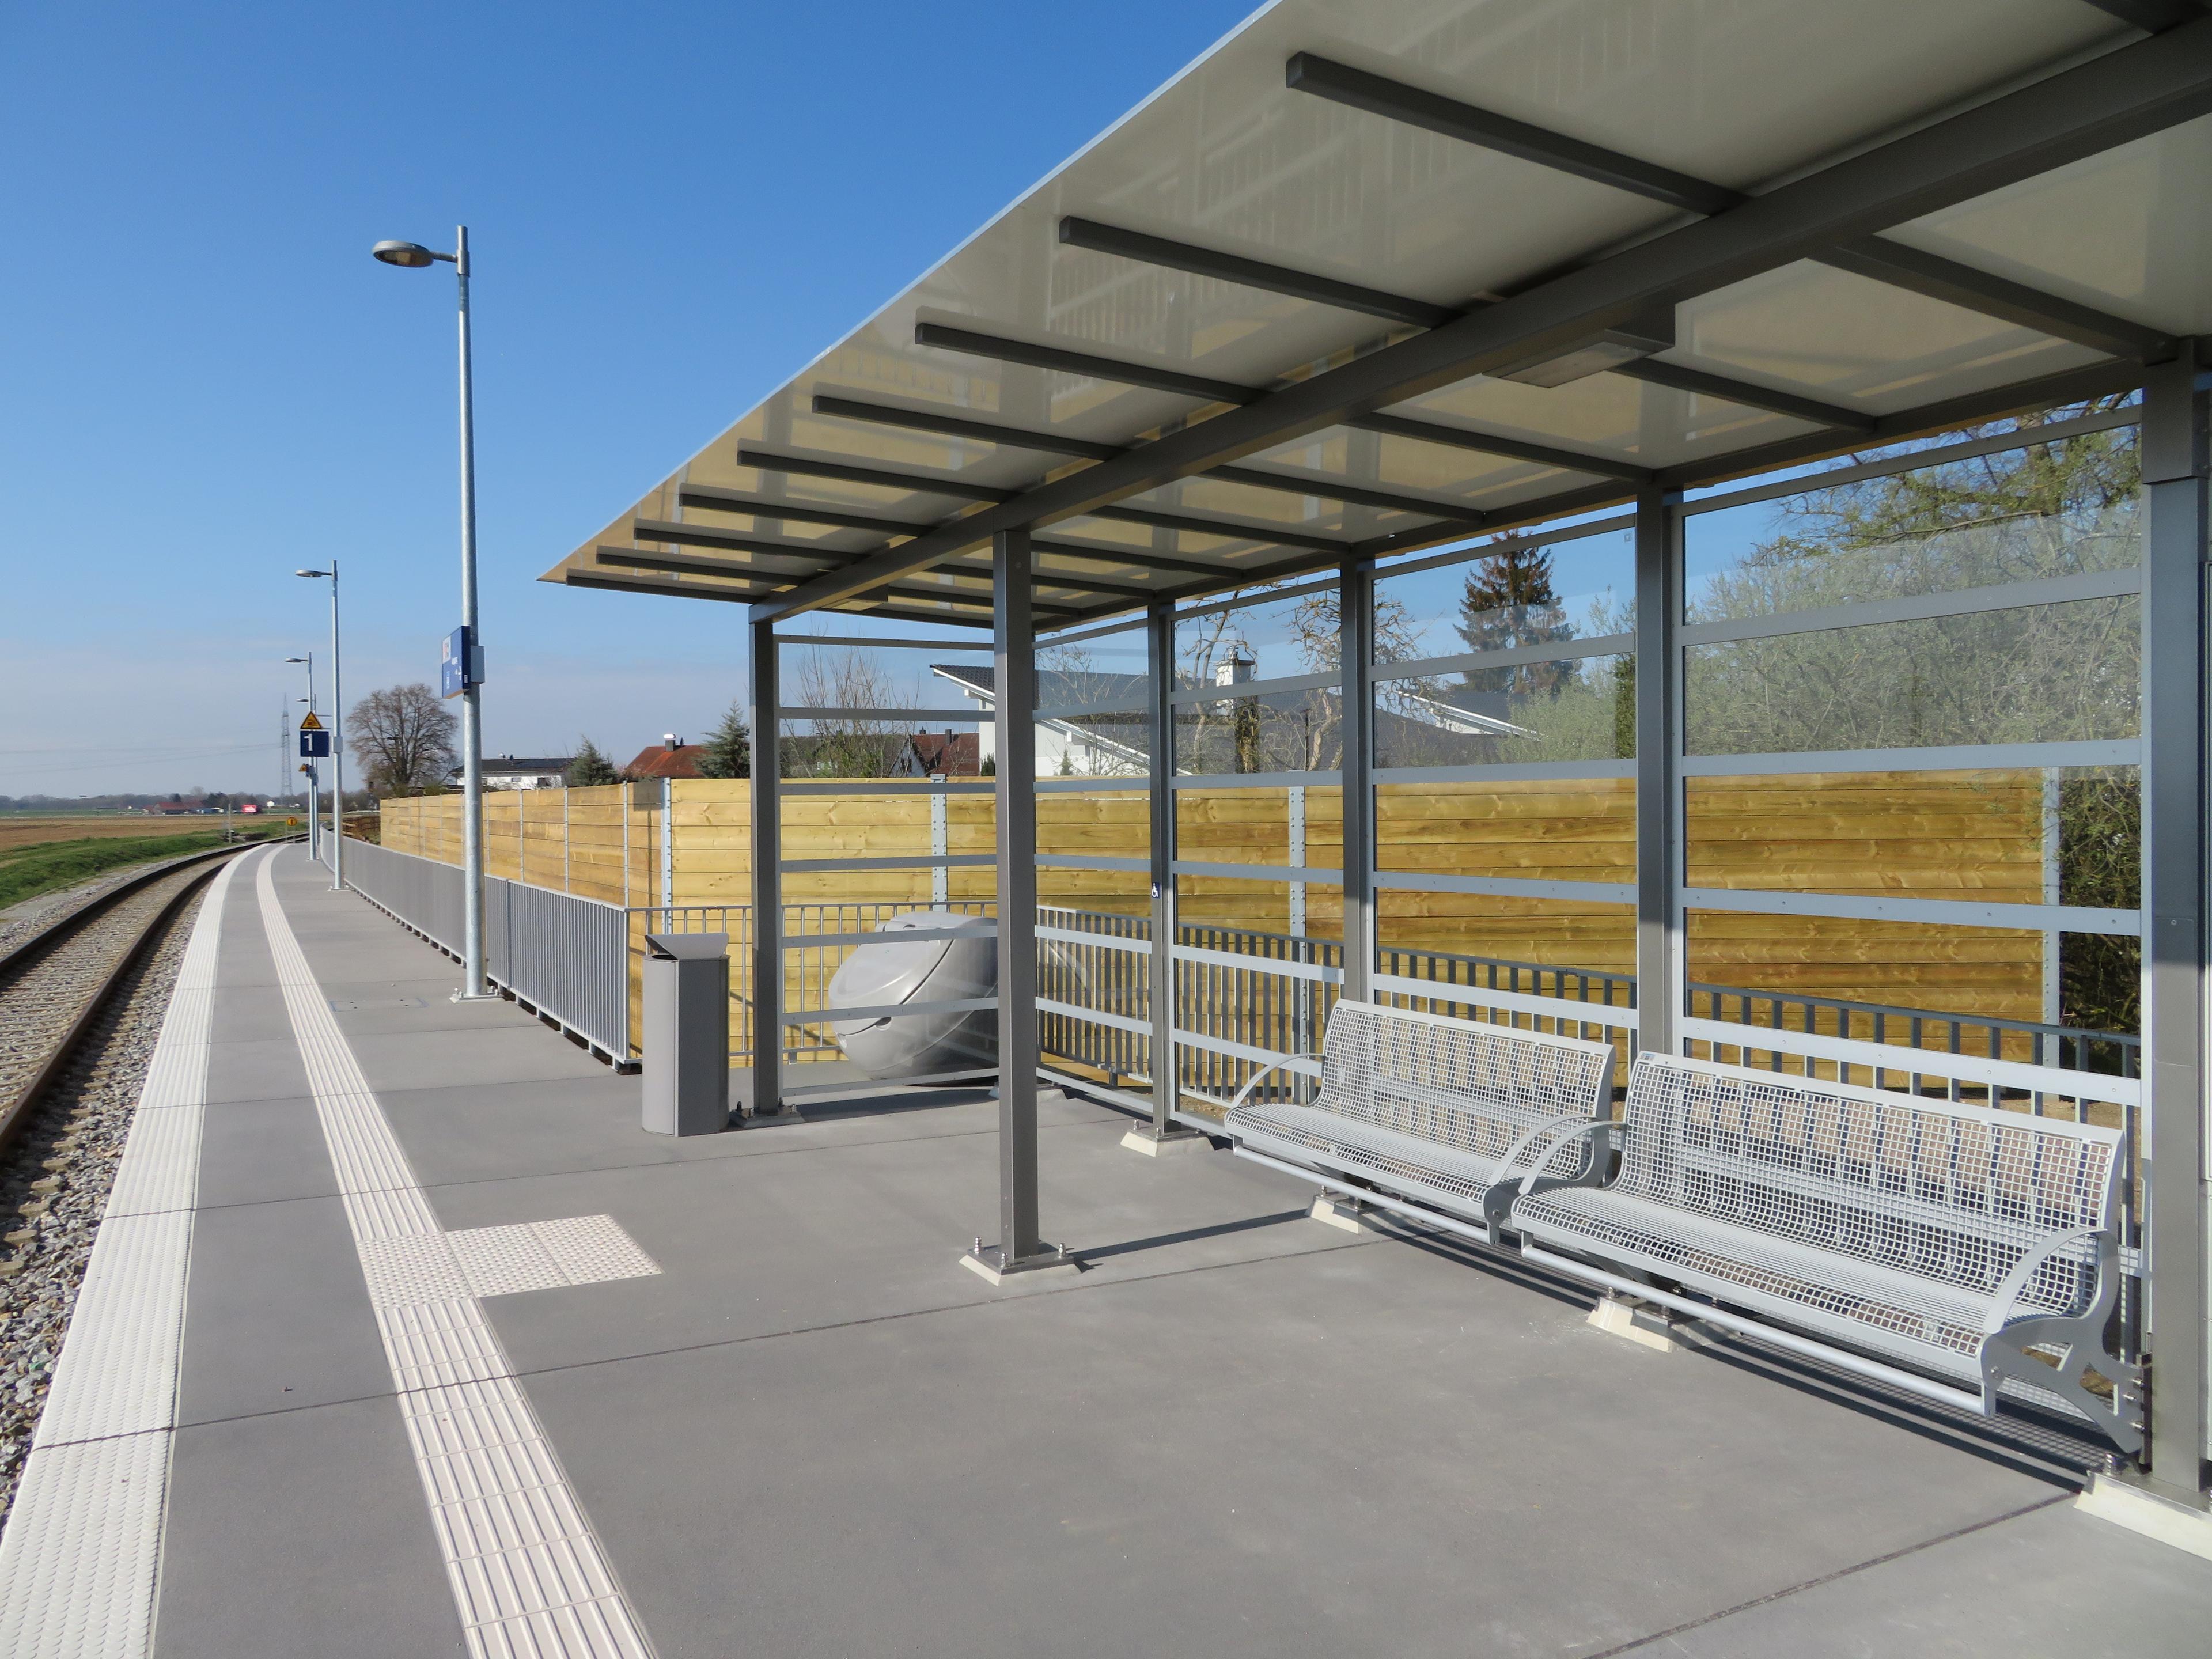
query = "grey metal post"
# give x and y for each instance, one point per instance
(668, 853)
(473, 846)
(1159, 673)
(1356, 608)
(2173, 865)
(1014, 656)
(1658, 710)
(338, 744)
(768, 881)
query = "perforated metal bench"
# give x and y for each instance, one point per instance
(1935, 1246)
(1445, 1112)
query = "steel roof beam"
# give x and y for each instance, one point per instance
(978, 344)
(798, 569)
(1076, 232)
(957, 426)
(645, 585)
(719, 500)
(1874, 257)
(1655, 373)
(1197, 526)
(2151, 16)
(762, 460)
(701, 535)
(1143, 557)
(1073, 581)
(689, 565)
(2145, 88)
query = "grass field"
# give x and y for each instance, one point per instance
(43, 855)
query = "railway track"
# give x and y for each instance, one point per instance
(54, 984)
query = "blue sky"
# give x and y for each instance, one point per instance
(208, 382)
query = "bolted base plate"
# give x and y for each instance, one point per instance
(765, 1120)
(1335, 1210)
(480, 996)
(2169, 1520)
(989, 1262)
(1149, 1141)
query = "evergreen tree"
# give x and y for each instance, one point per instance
(589, 768)
(1509, 604)
(729, 748)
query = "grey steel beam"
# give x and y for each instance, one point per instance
(671, 589)
(1075, 232)
(798, 566)
(906, 613)
(1356, 665)
(1875, 257)
(2175, 616)
(1659, 943)
(2108, 100)
(959, 426)
(1159, 663)
(675, 534)
(2151, 16)
(1484, 443)
(1143, 557)
(1351, 494)
(918, 482)
(976, 344)
(1274, 535)
(766, 812)
(1013, 658)
(1655, 373)
(719, 500)
(1158, 377)
(1073, 580)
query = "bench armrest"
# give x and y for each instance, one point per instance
(1253, 1082)
(1586, 1127)
(2008, 1290)
(1574, 1122)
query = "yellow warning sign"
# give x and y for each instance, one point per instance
(311, 723)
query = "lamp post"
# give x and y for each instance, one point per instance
(412, 256)
(314, 824)
(338, 734)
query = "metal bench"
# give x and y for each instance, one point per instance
(1445, 1112)
(1937, 1246)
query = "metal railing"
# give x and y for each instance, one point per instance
(564, 957)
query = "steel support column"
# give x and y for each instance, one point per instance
(1659, 925)
(1013, 658)
(2174, 781)
(766, 878)
(1159, 681)
(1356, 610)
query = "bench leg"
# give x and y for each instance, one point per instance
(2006, 1355)
(1335, 1210)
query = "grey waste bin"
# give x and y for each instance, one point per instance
(687, 1033)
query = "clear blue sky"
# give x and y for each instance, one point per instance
(205, 381)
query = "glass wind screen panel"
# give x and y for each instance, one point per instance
(1116, 826)
(2049, 510)
(1528, 947)
(2043, 835)
(1272, 640)
(1984, 992)
(1106, 675)
(1274, 731)
(1519, 595)
(886, 738)
(1299, 827)
(1575, 829)
(2041, 673)
(1575, 710)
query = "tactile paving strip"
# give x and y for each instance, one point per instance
(541, 1255)
(80, 1559)
(529, 1577)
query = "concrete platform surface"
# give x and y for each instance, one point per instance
(811, 1432)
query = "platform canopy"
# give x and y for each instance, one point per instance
(1371, 278)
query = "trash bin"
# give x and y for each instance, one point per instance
(687, 1033)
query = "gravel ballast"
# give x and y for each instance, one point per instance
(54, 1183)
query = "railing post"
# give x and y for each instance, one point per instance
(2174, 869)
(1356, 609)
(1659, 925)
(767, 1100)
(1163, 1134)
(1013, 655)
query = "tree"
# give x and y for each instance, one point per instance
(859, 745)
(590, 769)
(729, 748)
(402, 738)
(1509, 604)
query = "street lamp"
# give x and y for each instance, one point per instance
(412, 256)
(338, 735)
(314, 823)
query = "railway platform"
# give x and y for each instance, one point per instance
(408, 1340)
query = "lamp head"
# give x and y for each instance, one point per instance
(311, 573)
(411, 255)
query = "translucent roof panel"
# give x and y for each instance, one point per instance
(1244, 231)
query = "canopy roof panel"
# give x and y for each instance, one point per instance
(1267, 321)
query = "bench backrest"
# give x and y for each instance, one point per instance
(1946, 1191)
(1470, 1085)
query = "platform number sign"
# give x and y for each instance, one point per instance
(460, 664)
(314, 739)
